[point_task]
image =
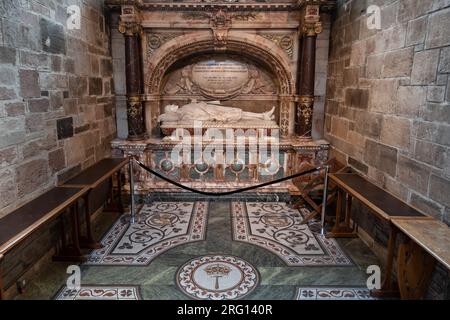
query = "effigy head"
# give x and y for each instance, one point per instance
(171, 108)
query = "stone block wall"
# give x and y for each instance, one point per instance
(388, 98)
(57, 106)
(388, 106)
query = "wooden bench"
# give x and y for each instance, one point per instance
(383, 204)
(21, 223)
(312, 192)
(428, 241)
(91, 178)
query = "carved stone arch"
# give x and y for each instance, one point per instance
(250, 45)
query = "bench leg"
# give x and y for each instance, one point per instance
(388, 288)
(414, 270)
(72, 253)
(113, 205)
(88, 242)
(348, 212)
(338, 230)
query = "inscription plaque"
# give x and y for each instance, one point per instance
(220, 77)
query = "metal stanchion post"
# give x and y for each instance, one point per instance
(132, 204)
(325, 201)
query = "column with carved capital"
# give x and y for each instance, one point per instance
(135, 111)
(307, 69)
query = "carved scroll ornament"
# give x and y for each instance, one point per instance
(284, 41)
(305, 110)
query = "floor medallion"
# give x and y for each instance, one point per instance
(217, 278)
(160, 227)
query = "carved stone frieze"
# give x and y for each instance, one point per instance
(231, 5)
(245, 16)
(221, 22)
(204, 15)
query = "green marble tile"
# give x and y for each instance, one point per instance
(312, 276)
(47, 283)
(153, 274)
(257, 256)
(361, 255)
(266, 292)
(159, 292)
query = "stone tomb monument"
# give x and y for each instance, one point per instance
(232, 65)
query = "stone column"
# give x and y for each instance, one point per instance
(136, 120)
(307, 71)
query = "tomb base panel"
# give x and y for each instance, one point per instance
(222, 166)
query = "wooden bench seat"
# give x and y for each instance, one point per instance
(432, 235)
(91, 178)
(21, 223)
(97, 174)
(383, 204)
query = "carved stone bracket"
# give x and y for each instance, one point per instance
(305, 109)
(136, 121)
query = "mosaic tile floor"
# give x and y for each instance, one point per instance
(87, 292)
(160, 227)
(335, 293)
(208, 263)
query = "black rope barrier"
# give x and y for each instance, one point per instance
(222, 194)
